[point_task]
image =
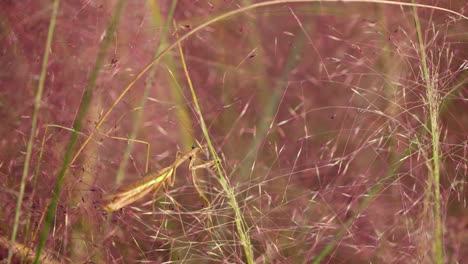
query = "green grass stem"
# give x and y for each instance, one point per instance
(37, 106)
(433, 101)
(241, 225)
(77, 126)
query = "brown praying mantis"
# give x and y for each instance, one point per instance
(154, 181)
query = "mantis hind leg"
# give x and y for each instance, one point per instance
(193, 169)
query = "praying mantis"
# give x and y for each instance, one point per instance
(154, 181)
